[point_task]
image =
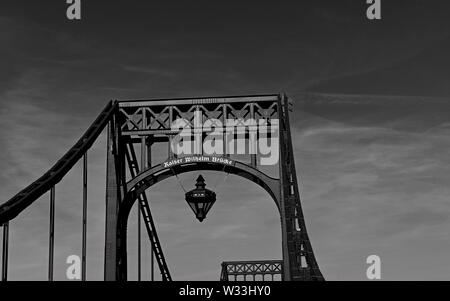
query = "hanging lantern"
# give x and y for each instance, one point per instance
(200, 199)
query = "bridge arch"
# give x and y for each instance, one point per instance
(163, 171)
(160, 172)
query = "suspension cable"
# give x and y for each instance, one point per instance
(223, 182)
(179, 181)
(220, 183)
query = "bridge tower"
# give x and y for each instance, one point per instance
(143, 124)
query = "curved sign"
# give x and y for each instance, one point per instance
(198, 159)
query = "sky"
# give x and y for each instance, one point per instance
(371, 127)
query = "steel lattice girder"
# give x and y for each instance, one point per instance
(251, 268)
(156, 116)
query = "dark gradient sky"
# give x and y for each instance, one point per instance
(371, 125)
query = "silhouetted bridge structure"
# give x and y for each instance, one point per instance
(134, 128)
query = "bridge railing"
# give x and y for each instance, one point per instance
(263, 270)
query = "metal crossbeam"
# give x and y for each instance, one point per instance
(199, 100)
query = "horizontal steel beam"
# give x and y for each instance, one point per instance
(241, 128)
(252, 262)
(149, 132)
(199, 101)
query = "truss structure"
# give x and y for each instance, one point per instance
(263, 270)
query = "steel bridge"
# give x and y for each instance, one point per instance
(134, 128)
